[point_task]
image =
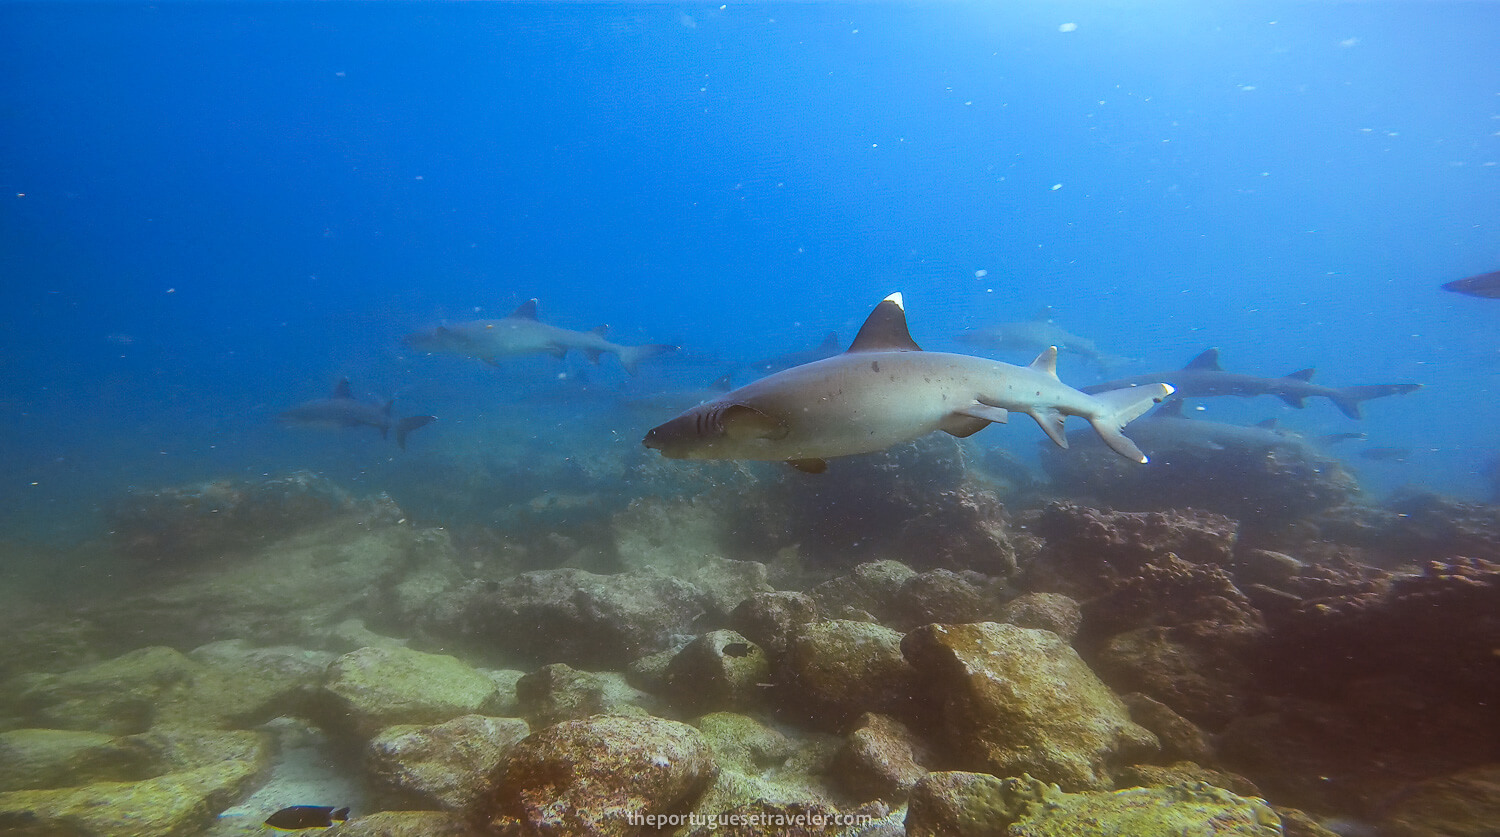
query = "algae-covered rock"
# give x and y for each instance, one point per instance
(1183, 773)
(599, 775)
(367, 690)
(560, 692)
(118, 696)
(1202, 680)
(298, 587)
(1462, 804)
(1180, 738)
(770, 619)
(960, 804)
(719, 670)
(404, 824)
(572, 616)
(1016, 700)
(742, 743)
(446, 766)
(1044, 611)
(36, 759)
(1198, 809)
(881, 759)
(838, 669)
(224, 766)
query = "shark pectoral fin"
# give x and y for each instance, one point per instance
(809, 466)
(743, 423)
(1294, 400)
(1051, 422)
(556, 350)
(972, 419)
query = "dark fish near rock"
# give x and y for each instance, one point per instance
(298, 817)
(736, 649)
(1486, 285)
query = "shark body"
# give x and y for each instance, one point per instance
(1168, 429)
(1035, 335)
(342, 410)
(828, 348)
(884, 391)
(1204, 377)
(521, 333)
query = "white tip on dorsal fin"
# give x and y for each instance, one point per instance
(885, 329)
(1046, 362)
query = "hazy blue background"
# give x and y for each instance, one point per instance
(211, 211)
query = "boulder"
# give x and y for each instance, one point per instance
(446, 766)
(881, 759)
(1012, 700)
(836, 670)
(370, 689)
(572, 616)
(560, 692)
(603, 775)
(720, 670)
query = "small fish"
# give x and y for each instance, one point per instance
(736, 649)
(298, 817)
(1386, 454)
(1486, 285)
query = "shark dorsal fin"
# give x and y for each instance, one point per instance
(1044, 315)
(600, 330)
(831, 341)
(525, 311)
(723, 383)
(1266, 424)
(1046, 362)
(885, 329)
(341, 389)
(1206, 362)
(1170, 409)
(1302, 374)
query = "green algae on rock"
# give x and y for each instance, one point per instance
(210, 770)
(1015, 700)
(838, 669)
(445, 766)
(40, 759)
(559, 692)
(718, 670)
(1198, 809)
(373, 688)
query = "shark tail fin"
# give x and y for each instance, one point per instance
(631, 356)
(1348, 398)
(1121, 407)
(409, 424)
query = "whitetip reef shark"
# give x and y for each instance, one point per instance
(1034, 335)
(522, 333)
(1204, 377)
(885, 390)
(343, 410)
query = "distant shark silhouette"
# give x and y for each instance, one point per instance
(828, 348)
(522, 334)
(885, 390)
(1034, 335)
(1204, 377)
(343, 410)
(1486, 285)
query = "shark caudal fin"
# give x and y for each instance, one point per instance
(409, 424)
(631, 356)
(1347, 399)
(1121, 407)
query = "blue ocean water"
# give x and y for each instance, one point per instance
(210, 212)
